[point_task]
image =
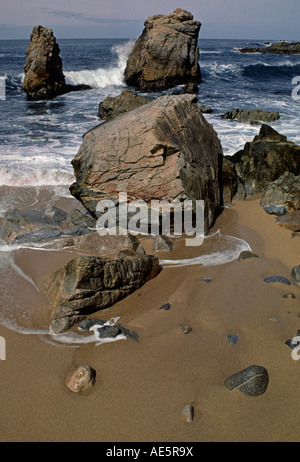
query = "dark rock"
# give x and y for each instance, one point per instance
(229, 181)
(81, 379)
(82, 219)
(165, 307)
(207, 280)
(267, 133)
(87, 284)
(252, 381)
(162, 243)
(206, 110)
(263, 161)
(163, 150)
(166, 54)
(109, 331)
(125, 102)
(274, 279)
(282, 195)
(87, 324)
(247, 115)
(44, 76)
(281, 47)
(290, 295)
(296, 275)
(40, 235)
(290, 221)
(245, 254)
(232, 339)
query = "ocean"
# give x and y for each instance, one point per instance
(39, 139)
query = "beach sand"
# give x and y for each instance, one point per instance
(141, 387)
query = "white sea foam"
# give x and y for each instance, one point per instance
(37, 177)
(101, 77)
(232, 247)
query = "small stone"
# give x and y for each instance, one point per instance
(186, 329)
(109, 331)
(207, 280)
(188, 413)
(252, 381)
(245, 254)
(232, 339)
(289, 295)
(165, 307)
(274, 319)
(274, 279)
(296, 275)
(81, 379)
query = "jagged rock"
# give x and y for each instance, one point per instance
(250, 116)
(163, 150)
(82, 219)
(264, 160)
(252, 381)
(166, 54)
(126, 101)
(282, 195)
(44, 76)
(281, 47)
(81, 379)
(87, 284)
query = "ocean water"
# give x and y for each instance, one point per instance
(39, 139)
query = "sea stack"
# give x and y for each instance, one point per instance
(43, 68)
(166, 54)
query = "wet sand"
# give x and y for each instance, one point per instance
(141, 387)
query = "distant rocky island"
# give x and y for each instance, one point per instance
(281, 47)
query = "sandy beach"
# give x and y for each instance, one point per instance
(141, 387)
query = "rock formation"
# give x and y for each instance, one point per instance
(166, 54)
(265, 159)
(44, 76)
(281, 47)
(126, 101)
(163, 150)
(88, 284)
(283, 195)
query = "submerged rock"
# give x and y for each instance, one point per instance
(281, 47)
(163, 150)
(44, 76)
(252, 381)
(166, 54)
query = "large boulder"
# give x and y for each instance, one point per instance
(163, 150)
(44, 76)
(166, 54)
(265, 159)
(283, 195)
(88, 284)
(112, 106)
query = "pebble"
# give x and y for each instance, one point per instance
(232, 339)
(81, 380)
(165, 307)
(281, 279)
(186, 329)
(188, 413)
(252, 381)
(205, 280)
(245, 254)
(290, 295)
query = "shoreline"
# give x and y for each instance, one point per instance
(141, 387)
